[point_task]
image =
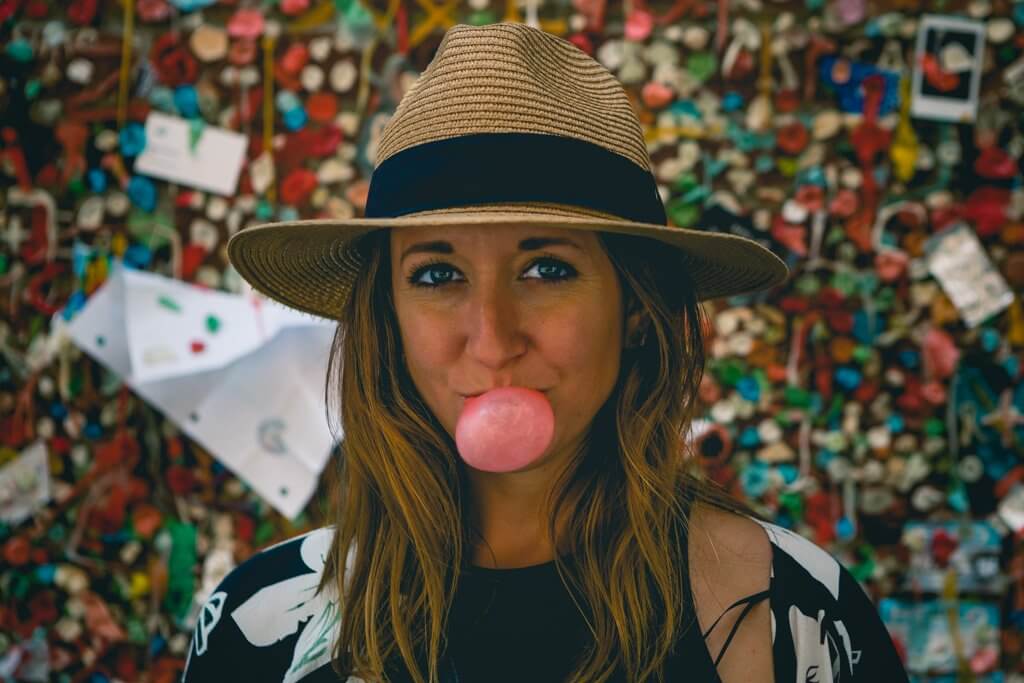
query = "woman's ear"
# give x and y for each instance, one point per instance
(637, 324)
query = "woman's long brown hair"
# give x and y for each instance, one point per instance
(402, 525)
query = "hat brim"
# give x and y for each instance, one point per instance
(307, 264)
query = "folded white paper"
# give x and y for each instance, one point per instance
(244, 380)
(25, 484)
(212, 164)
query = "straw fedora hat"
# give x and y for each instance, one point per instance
(507, 125)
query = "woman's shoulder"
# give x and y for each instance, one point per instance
(267, 618)
(759, 555)
(729, 536)
(824, 625)
(800, 563)
(730, 555)
(730, 562)
(302, 554)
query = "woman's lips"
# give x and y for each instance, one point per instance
(481, 393)
(465, 398)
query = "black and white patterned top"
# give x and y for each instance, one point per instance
(265, 622)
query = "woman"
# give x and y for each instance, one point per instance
(515, 238)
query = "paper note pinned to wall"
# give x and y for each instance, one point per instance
(25, 484)
(211, 163)
(958, 260)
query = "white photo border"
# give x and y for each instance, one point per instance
(947, 108)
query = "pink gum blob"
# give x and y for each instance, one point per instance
(504, 429)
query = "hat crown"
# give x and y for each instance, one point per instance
(511, 78)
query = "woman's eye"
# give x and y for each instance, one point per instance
(550, 269)
(433, 275)
(439, 274)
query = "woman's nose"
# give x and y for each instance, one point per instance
(494, 336)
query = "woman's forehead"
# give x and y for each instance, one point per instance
(453, 239)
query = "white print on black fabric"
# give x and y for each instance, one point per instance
(209, 616)
(824, 651)
(208, 619)
(814, 661)
(852, 656)
(275, 612)
(818, 563)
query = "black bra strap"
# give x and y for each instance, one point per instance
(751, 602)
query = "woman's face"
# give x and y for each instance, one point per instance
(480, 308)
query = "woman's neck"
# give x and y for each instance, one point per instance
(510, 513)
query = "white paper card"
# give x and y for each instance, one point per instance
(25, 484)
(261, 413)
(212, 164)
(958, 260)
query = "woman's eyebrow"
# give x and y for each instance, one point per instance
(535, 243)
(436, 247)
(528, 244)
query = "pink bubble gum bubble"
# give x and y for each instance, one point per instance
(505, 429)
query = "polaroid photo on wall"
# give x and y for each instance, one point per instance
(947, 68)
